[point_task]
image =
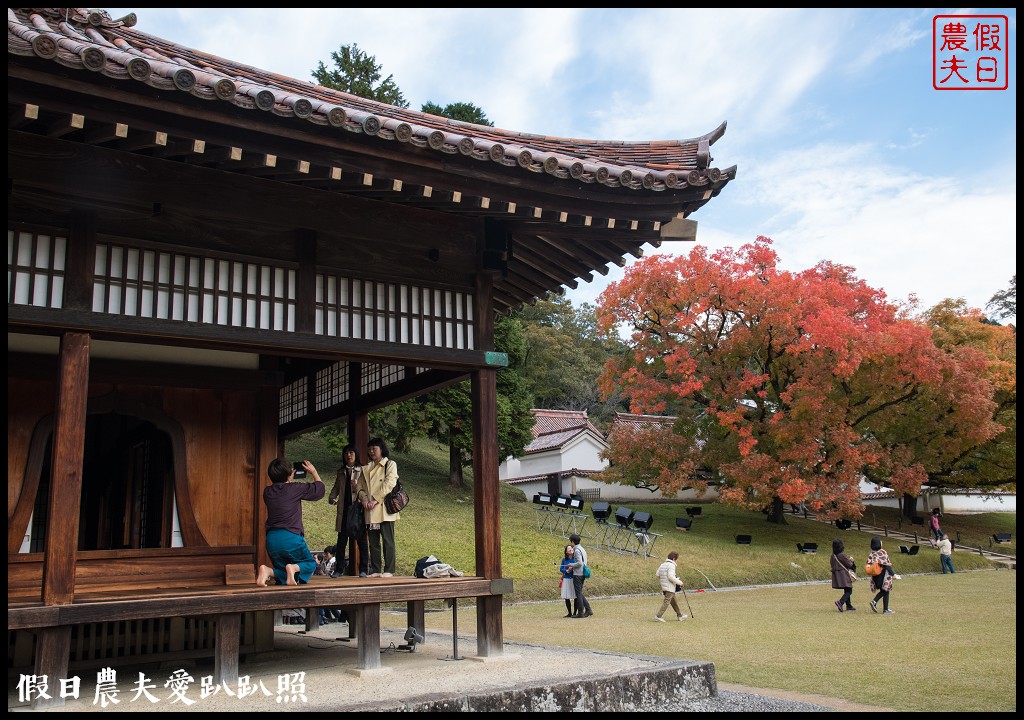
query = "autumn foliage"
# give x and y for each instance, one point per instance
(786, 386)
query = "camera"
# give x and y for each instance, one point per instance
(300, 471)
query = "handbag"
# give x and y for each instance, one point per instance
(397, 499)
(873, 569)
(853, 575)
(586, 572)
(355, 520)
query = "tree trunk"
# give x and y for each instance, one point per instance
(455, 467)
(909, 506)
(777, 512)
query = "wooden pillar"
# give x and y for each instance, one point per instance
(368, 635)
(305, 279)
(312, 619)
(225, 665)
(358, 436)
(61, 549)
(486, 506)
(53, 648)
(81, 262)
(415, 615)
(267, 448)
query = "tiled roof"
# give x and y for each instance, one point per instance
(553, 210)
(639, 421)
(92, 41)
(545, 421)
(554, 428)
(552, 440)
(561, 473)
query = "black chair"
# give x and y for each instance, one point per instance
(843, 524)
(693, 511)
(1002, 538)
(743, 539)
(807, 547)
(912, 550)
(683, 524)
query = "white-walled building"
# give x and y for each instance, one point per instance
(565, 459)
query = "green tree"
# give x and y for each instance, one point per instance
(449, 412)
(564, 356)
(357, 73)
(961, 331)
(1004, 303)
(466, 112)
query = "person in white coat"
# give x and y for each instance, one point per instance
(670, 585)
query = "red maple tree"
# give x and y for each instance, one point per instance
(788, 387)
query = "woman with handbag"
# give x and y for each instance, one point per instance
(881, 583)
(567, 589)
(351, 529)
(843, 575)
(379, 477)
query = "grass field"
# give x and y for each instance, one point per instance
(950, 645)
(439, 522)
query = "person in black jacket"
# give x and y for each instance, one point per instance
(842, 564)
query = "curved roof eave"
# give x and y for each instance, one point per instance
(92, 41)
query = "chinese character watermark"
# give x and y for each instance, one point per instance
(970, 52)
(291, 688)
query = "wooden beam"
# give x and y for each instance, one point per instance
(225, 126)
(87, 174)
(551, 261)
(65, 125)
(22, 115)
(106, 327)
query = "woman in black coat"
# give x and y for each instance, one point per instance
(842, 565)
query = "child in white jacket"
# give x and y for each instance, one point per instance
(670, 585)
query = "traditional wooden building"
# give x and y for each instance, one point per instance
(204, 259)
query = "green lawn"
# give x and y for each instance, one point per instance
(439, 522)
(951, 643)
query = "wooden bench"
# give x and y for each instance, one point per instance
(361, 596)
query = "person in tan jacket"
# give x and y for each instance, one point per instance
(670, 585)
(379, 477)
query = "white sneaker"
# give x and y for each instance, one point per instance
(682, 617)
(658, 619)
(386, 575)
(374, 574)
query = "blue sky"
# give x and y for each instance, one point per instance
(845, 151)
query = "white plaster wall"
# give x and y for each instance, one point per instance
(583, 453)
